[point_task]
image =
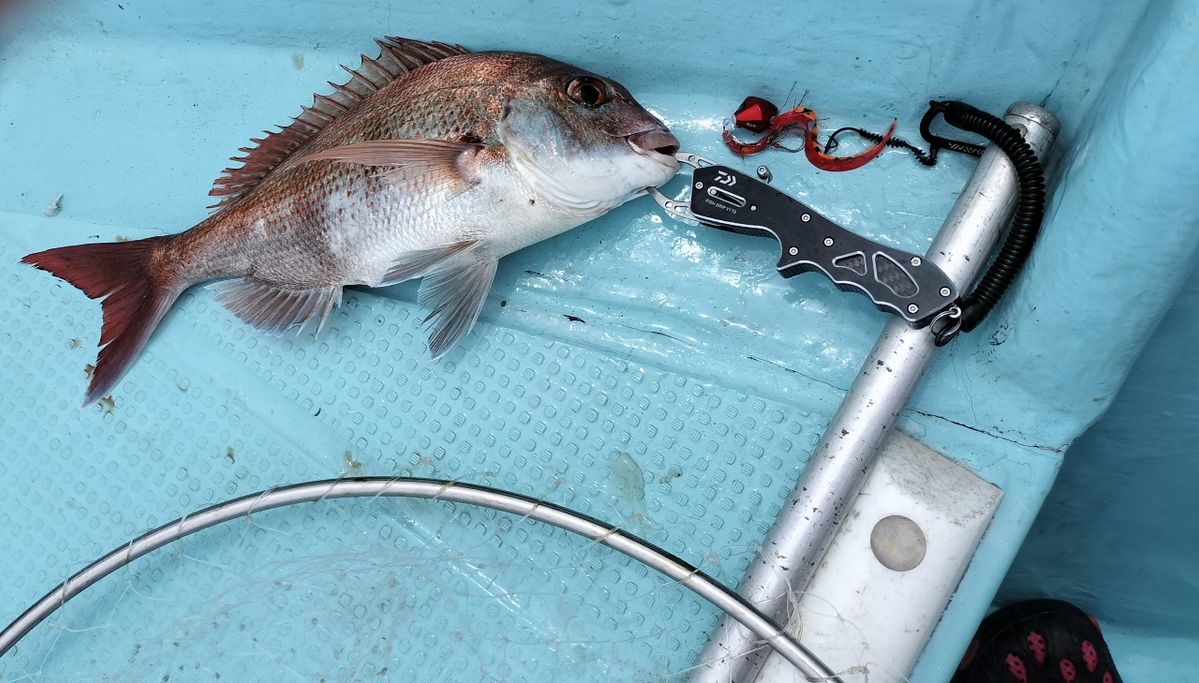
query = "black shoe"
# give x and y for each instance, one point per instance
(1038, 641)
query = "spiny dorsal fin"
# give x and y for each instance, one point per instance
(397, 56)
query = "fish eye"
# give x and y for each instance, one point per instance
(587, 91)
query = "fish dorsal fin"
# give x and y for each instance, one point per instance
(397, 56)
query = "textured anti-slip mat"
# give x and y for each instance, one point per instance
(343, 588)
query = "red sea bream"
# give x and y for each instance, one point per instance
(430, 162)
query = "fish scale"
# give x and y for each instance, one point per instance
(429, 162)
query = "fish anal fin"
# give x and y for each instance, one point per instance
(276, 309)
(397, 57)
(456, 288)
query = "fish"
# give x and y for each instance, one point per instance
(430, 162)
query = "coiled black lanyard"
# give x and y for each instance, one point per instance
(1030, 204)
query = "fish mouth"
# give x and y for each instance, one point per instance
(656, 143)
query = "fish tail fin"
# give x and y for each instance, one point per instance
(136, 291)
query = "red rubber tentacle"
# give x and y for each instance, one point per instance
(827, 162)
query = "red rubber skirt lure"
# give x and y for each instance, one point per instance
(760, 116)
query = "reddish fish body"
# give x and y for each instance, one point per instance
(430, 162)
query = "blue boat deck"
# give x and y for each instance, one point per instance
(652, 374)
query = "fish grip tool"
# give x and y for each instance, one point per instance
(896, 281)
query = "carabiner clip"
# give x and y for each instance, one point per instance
(946, 325)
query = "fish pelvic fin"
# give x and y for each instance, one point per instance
(456, 288)
(136, 289)
(275, 309)
(421, 261)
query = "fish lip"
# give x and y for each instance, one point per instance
(648, 142)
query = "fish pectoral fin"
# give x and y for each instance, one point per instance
(274, 308)
(420, 261)
(416, 164)
(457, 289)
